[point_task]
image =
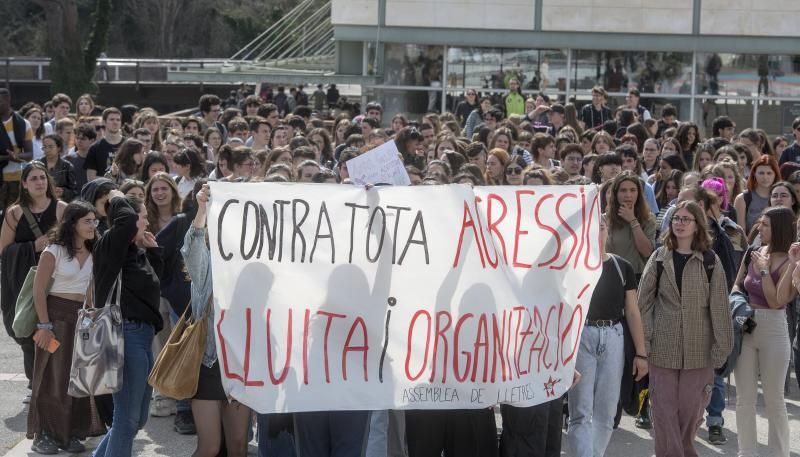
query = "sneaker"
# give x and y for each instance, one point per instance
(162, 407)
(184, 423)
(42, 444)
(716, 436)
(74, 446)
(26, 400)
(643, 422)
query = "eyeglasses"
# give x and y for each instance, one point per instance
(682, 220)
(514, 171)
(92, 222)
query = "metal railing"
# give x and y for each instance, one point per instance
(108, 70)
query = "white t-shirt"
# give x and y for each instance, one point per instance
(68, 276)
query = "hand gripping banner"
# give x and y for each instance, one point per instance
(335, 297)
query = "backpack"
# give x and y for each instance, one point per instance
(748, 198)
(709, 261)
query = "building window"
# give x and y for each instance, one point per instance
(619, 71)
(492, 68)
(412, 65)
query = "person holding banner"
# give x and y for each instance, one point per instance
(601, 357)
(212, 411)
(687, 328)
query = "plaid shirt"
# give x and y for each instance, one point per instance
(687, 330)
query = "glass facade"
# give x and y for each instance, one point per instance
(755, 90)
(650, 72)
(493, 68)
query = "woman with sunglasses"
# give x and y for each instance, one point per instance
(687, 328)
(55, 419)
(515, 169)
(22, 240)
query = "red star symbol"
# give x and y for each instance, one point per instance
(549, 387)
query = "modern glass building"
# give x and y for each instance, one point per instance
(739, 58)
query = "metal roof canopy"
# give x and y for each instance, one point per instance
(284, 76)
(569, 40)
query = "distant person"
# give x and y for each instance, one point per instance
(333, 96)
(318, 97)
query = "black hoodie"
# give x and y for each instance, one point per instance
(115, 251)
(89, 193)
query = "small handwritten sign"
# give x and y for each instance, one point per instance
(381, 165)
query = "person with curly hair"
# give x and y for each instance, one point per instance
(55, 419)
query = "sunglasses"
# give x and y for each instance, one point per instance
(514, 171)
(98, 128)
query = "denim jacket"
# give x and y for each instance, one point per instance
(198, 263)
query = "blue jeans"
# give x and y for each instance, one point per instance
(387, 434)
(717, 404)
(593, 401)
(132, 402)
(278, 446)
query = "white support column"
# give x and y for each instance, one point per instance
(444, 79)
(568, 88)
(694, 87)
(756, 102)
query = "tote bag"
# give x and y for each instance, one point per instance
(99, 352)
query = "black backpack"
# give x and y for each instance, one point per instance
(709, 261)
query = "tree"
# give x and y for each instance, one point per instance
(72, 65)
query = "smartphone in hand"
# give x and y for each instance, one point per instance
(53, 345)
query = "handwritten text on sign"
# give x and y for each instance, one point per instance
(334, 297)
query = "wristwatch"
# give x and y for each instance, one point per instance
(764, 273)
(44, 326)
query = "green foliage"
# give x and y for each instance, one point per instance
(98, 38)
(246, 24)
(144, 28)
(23, 29)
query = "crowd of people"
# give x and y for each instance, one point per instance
(90, 192)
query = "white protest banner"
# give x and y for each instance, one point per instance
(333, 297)
(381, 165)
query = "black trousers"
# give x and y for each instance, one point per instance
(534, 431)
(28, 355)
(456, 432)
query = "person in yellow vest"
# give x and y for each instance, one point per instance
(514, 101)
(16, 148)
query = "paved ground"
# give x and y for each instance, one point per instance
(158, 439)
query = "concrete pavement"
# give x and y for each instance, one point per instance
(159, 439)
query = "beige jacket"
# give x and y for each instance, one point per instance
(688, 331)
